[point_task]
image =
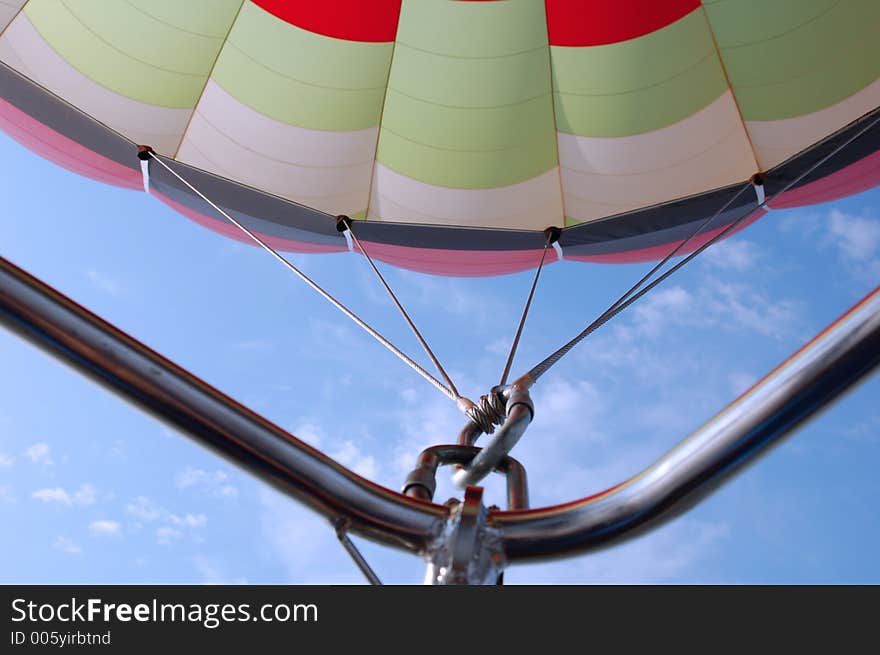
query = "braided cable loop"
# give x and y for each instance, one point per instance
(490, 411)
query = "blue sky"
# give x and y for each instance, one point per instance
(93, 491)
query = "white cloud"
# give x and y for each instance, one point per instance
(499, 347)
(165, 535)
(409, 395)
(6, 461)
(144, 509)
(55, 495)
(856, 237)
(189, 520)
(66, 545)
(105, 528)
(211, 483)
(660, 307)
(737, 255)
(104, 283)
(211, 573)
(309, 432)
(569, 404)
(716, 304)
(865, 431)
(85, 495)
(303, 542)
(735, 305)
(6, 495)
(39, 453)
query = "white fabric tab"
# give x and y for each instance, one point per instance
(145, 171)
(558, 250)
(348, 240)
(759, 191)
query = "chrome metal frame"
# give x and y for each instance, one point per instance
(821, 371)
(832, 362)
(142, 376)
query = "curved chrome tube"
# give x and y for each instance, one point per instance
(822, 370)
(519, 414)
(421, 482)
(126, 366)
(814, 376)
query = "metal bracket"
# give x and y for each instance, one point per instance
(468, 550)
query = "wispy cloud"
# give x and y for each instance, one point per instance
(302, 542)
(740, 306)
(6, 461)
(85, 495)
(56, 495)
(66, 545)
(172, 526)
(105, 528)
(856, 237)
(211, 572)
(144, 509)
(189, 520)
(6, 494)
(739, 255)
(864, 431)
(104, 283)
(715, 304)
(310, 432)
(166, 535)
(212, 483)
(39, 453)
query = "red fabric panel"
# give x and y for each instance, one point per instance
(458, 263)
(599, 22)
(353, 20)
(221, 226)
(855, 178)
(65, 152)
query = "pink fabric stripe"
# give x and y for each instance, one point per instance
(221, 226)
(458, 263)
(65, 152)
(855, 178)
(655, 253)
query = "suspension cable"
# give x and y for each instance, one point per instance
(621, 302)
(314, 285)
(552, 235)
(344, 222)
(702, 226)
(626, 300)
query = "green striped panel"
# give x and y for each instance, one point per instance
(469, 103)
(788, 58)
(161, 54)
(301, 78)
(639, 85)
